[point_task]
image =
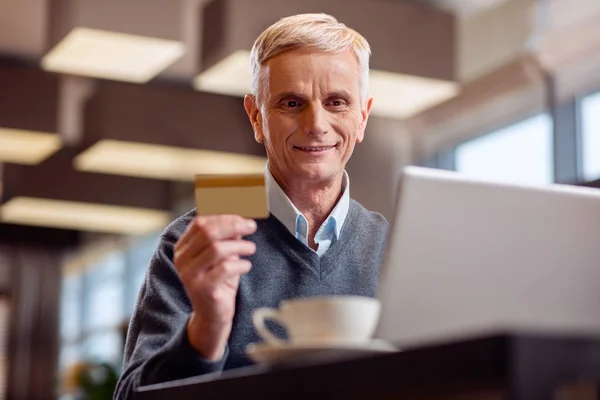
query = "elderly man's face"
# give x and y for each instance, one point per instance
(311, 114)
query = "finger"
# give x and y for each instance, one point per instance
(226, 273)
(204, 229)
(229, 270)
(232, 257)
(188, 259)
(215, 253)
(223, 250)
(188, 234)
(234, 281)
(198, 235)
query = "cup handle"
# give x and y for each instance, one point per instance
(259, 317)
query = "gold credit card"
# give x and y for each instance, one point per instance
(238, 194)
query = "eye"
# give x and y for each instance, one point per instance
(336, 103)
(291, 104)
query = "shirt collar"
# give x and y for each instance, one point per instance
(286, 212)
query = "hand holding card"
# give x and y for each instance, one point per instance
(209, 256)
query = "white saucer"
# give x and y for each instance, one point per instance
(264, 353)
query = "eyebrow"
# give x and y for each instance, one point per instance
(285, 95)
(340, 94)
(336, 94)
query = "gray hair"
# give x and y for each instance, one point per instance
(320, 32)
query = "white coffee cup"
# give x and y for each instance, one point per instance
(323, 320)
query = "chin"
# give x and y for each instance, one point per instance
(318, 173)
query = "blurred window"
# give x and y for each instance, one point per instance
(139, 256)
(70, 316)
(96, 303)
(105, 293)
(520, 153)
(104, 346)
(70, 354)
(590, 140)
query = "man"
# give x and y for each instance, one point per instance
(309, 107)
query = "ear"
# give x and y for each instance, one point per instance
(255, 117)
(365, 112)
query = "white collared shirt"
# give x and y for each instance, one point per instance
(286, 212)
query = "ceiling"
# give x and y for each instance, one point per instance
(30, 28)
(24, 25)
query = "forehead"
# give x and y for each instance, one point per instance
(302, 70)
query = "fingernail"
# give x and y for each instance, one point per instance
(251, 224)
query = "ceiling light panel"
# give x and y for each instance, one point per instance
(112, 55)
(27, 147)
(83, 216)
(163, 162)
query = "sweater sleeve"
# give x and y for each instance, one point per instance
(157, 348)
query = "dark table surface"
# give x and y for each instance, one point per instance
(519, 366)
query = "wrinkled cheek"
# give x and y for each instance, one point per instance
(271, 151)
(348, 151)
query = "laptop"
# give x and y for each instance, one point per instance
(467, 257)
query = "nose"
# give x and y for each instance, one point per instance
(314, 120)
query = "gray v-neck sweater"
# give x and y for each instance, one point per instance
(157, 349)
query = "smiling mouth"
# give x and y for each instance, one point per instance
(315, 148)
